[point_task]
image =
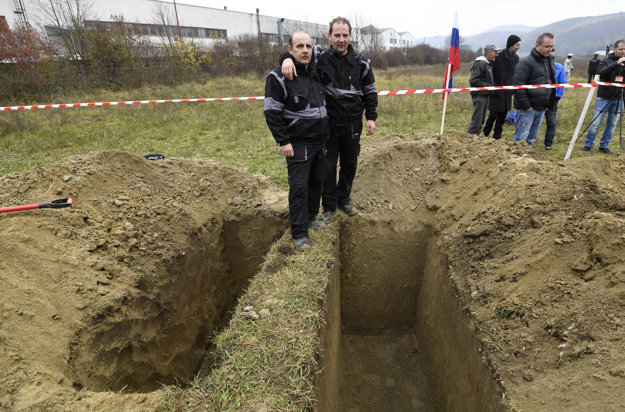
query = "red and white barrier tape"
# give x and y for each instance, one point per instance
(380, 93)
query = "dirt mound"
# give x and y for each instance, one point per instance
(124, 290)
(534, 248)
(536, 256)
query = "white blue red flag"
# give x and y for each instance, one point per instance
(453, 60)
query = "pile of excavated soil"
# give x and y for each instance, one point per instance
(534, 249)
(121, 292)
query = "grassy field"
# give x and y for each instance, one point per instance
(234, 132)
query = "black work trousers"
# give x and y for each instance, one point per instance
(306, 170)
(343, 147)
(499, 118)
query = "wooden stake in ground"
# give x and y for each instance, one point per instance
(581, 120)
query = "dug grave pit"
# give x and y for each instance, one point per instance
(531, 250)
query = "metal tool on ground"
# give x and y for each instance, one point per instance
(55, 204)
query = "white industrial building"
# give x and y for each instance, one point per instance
(151, 17)
(202, 25)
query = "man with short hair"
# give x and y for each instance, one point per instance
(296, 114)
(350, 85)
(481, 76)
(609, 98)
(537, 68)
(500, 102)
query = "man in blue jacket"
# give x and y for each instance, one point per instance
(349, 82)
(295, 111)
(537, 68)
(551, 112)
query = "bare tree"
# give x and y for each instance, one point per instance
(164, 18)
(67, 19)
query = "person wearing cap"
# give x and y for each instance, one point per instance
(500, 101)
(537, 68)
(481, 76)
(568, 67)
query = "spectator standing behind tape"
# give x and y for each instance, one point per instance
(500, 102)
(552, 111)
(592, 67)
(568, 67)
(609, 98)
(537, 68)
(481, 76)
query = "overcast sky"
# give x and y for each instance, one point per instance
(425, 17)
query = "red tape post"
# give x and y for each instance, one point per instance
(380, 93)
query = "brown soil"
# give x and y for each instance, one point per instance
(534, 246)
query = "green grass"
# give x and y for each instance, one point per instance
(234, 132)
(270, 363)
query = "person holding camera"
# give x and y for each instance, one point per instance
(609, 98)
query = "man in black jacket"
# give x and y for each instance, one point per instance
(537, 68)
(500, 101)
(296, 114)
(609, 98)
(349, 82)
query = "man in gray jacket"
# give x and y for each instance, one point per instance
(481, 76)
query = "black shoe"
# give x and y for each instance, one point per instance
(605, 150)
(547, 147)
(302, 243)
(327, 216)
(316, 224)
(348, 209)
(586, 148)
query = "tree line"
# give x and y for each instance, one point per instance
(85, 55)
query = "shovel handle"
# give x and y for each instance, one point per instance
(55, 204)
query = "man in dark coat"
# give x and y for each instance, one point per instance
(500, 102)
(350, 85)
(537, 68)
(592, 67)
(295, 111)
(609, 98)
(481, 76)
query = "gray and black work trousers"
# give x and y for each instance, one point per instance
(306, 170)
(343, 148)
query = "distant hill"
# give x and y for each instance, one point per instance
(497, 36)
(581, 36)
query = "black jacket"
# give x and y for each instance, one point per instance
(295, 110)
(481, 76)
(608, 70)
(534, 69)
(503, 69)
(349, 83)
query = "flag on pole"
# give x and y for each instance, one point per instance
(453, 60)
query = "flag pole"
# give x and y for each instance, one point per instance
(445, 95)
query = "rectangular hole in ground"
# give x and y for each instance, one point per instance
(404, 343)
